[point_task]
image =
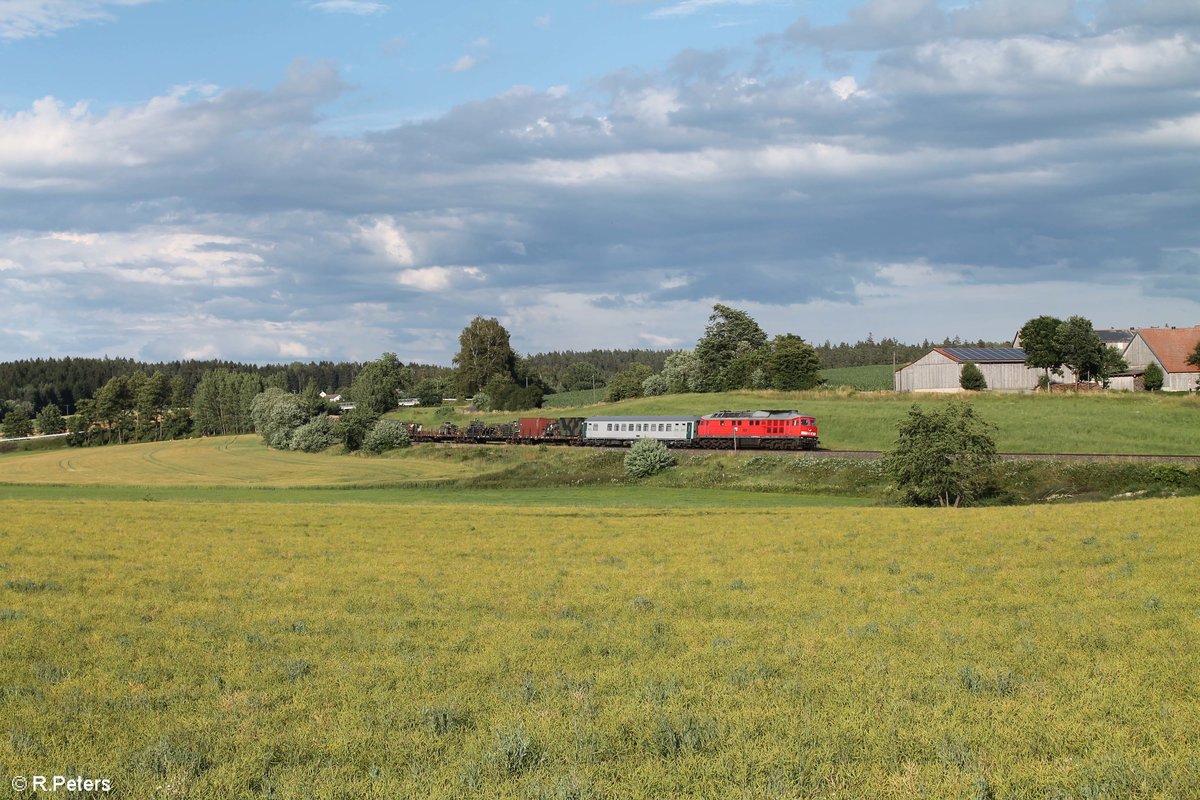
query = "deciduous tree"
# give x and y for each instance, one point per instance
(730, 349)
(1039, 338)
(793, 364)
(484, 352)
(942, 457)
(1080, 347)
(376, 386)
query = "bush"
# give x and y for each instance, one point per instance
(647, 457)
(655, 385)
(1152, 378)
(972, 379)
(388, 434)
(276, 415)
(314, 435)
(943, 457)
(353, 426)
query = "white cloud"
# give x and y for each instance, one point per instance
(464, 63)
(384, 236)
(360, 7)
(156, 257)
(1036, 64)
(542, 22)
(686, 8)
(437, 279)
(24, 19)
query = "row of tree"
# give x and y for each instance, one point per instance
(734, 353)
(63, 382)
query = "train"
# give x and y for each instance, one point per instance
(771, 429)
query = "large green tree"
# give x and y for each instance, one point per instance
(1080, 347)
(376, 386)
(793, 364)
(484, 353)
(682, 372)
(942, 457)
(1039, 338)
(629, 383)
(221, 402)
(50, 420)
(17, 423)
(732, 347)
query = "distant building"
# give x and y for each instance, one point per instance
(1169, 348)
(940, 370)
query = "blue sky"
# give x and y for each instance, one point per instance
(299, 179)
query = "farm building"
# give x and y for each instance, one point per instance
(940, 370)
(1169, 348)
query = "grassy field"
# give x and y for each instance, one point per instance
(874, 378)
(218, 461)
(1116, 422)
(215, 649)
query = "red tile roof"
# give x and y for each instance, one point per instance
(1172, 346)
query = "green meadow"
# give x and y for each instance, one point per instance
(193, 649)
(1114, 422)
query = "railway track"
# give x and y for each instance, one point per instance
(875, 454)
(1148, 459)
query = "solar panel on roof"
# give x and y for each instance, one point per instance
(986, 355)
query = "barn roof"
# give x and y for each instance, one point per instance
(1115, 335)
(984, 355)
(1172, 346)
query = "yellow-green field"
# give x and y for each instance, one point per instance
(205, 650)
(216, 461)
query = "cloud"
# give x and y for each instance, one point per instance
(436, 279)
(542, 22)
(952, 185)
(464, 63)
(362, 8)
(686, 8)
(885, 24)
(26, 19)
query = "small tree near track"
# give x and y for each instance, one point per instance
(647, 457)
(943, 457)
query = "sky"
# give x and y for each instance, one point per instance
(333, 179)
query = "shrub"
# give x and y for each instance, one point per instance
(314, 435)
(943, 457)
(276, 415)
(972, 379)
(647, 457)
(387, 434)
(1044, 382)
(354, 425)
(1152, 378)
(654, 386)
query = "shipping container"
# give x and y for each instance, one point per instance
(534, 427)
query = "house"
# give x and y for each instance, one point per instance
(1169, 348)
(940, 370)
(1116, 338)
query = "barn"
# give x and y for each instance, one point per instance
(940, 370)
(1169, 348)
